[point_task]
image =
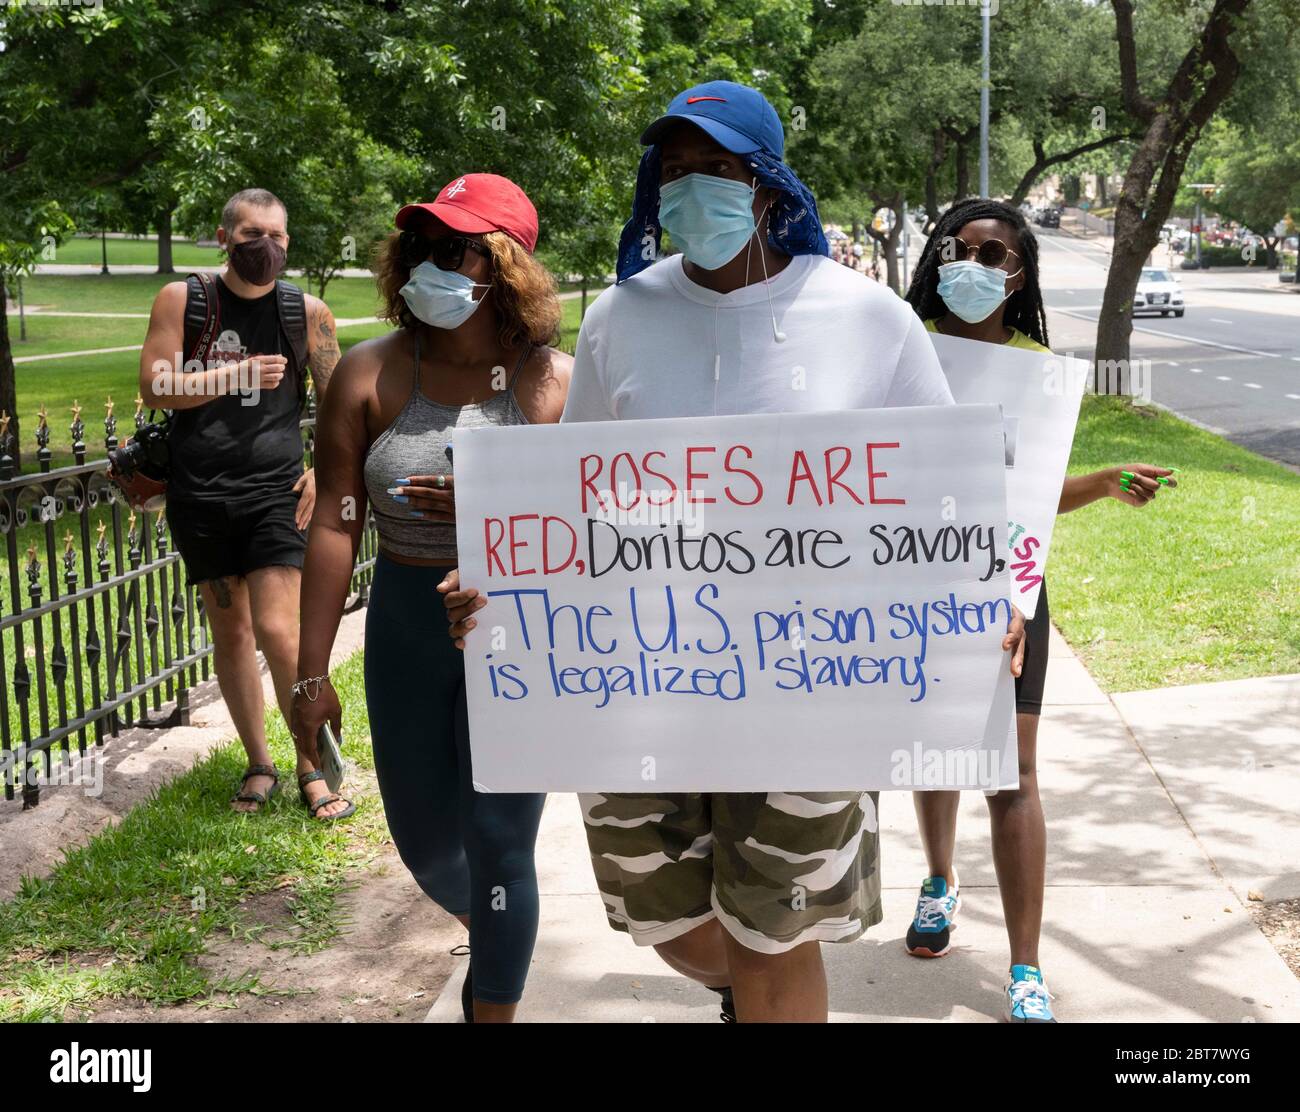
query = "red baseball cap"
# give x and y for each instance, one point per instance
(481, 203)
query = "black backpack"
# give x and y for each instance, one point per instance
(203, 320)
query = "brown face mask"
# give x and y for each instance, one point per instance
(257, 261)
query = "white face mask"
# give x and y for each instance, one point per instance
(441, 298)
(710, 218)
(973, 291)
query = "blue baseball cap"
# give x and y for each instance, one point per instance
(736, 116)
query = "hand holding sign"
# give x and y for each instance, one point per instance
(460, 604)
(1014, 641)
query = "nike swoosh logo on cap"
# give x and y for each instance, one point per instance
(692, 100)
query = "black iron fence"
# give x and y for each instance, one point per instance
(99, 631)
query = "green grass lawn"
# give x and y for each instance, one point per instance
(133, 252)
(126, 915)
(134, 293)
(91, 379)
(1203, 584)
(143, 251)
(89, 293)
(49, 334)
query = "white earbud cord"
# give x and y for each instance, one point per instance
(717, 359)
(777, 334)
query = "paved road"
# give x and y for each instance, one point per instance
(1232, 363)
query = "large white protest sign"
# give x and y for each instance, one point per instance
(1039, 394)
(810, 602)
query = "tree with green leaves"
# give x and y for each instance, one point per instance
(26, 238)
(529, 89)
(1057, 86)
(1255, 165)
(78, 86)
(228, 132)
(1173, 97)
(881, 126)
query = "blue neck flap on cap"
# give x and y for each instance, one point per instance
(796, 228)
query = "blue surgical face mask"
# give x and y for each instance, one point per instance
(441, 298)
(972, 290)
(710, 218)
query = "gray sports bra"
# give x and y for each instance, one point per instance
(416, 444)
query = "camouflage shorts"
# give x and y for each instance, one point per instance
(775, 868)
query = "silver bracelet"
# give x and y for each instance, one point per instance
(300, 686)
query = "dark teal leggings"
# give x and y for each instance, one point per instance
(472, 853)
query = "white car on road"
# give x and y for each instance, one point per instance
(1158, 292)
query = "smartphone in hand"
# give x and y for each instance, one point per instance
(331, 757)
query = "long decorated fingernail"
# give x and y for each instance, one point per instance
(1163, 482)
(401, 482)
(1127, 474)
(400, 498)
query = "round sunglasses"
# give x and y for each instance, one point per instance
(992, 252)
(445, 252)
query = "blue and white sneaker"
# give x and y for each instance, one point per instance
(1027, 998)
(936, 909)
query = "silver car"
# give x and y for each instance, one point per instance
(1158, 291)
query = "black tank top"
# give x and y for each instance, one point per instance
(228, 450)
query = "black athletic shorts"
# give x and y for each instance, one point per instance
(217, 539)
(1033, 669)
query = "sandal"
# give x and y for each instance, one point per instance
(259, 798)
(307, 778)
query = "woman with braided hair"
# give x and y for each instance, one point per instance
(978, 279)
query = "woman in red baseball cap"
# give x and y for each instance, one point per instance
(475, 315)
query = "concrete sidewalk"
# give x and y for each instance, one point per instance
(1152, 800)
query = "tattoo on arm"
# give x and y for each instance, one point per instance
(221, 592)
(324, 352)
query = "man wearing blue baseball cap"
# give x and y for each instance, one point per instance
(737, 890)
(751, 317)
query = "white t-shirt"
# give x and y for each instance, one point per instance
(649, 347)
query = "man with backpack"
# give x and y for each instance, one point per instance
(228, 355)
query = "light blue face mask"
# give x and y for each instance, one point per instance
(710, 218)
(441, 298)
(972, 290)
